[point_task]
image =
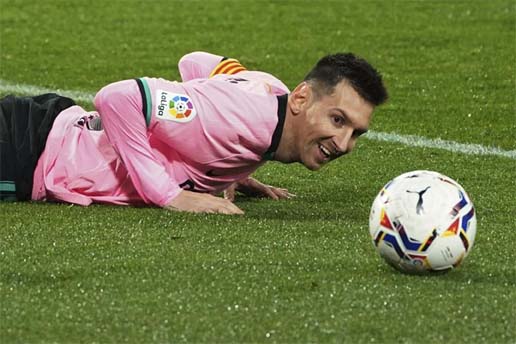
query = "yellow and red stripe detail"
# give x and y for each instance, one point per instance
(453, 229)
(229, 66)
(384, 220)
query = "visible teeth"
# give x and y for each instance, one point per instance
(325, 151)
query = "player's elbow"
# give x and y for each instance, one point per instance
(115, 95)
(199, 56)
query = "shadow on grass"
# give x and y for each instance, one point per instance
(467, 274)
(38, 279)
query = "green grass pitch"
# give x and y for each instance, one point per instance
(293, 271)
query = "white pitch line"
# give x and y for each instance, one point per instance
(408, 140)
(452, 146)
(8, 87)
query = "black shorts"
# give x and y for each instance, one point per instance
(24, 126)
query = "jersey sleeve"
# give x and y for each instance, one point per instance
(201, 65)
(120, 107)
(197, 65)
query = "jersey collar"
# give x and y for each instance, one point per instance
(276, 136)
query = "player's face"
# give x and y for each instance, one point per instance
(332, 124)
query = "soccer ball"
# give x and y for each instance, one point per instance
(423, 221)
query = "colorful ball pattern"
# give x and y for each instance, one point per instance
(180, 107)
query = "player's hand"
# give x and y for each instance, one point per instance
(202, 203)
(253, 188)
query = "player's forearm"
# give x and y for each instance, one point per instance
(119, 106)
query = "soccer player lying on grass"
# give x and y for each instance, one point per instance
(177, 144)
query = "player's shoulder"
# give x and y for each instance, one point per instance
(232, 70)
(254, 80)
(276, 85)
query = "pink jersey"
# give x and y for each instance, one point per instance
(159, 137)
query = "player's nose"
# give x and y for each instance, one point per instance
(344, 142)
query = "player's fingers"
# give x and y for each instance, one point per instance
(225, 206)
(220, 209)
(287, 193)
(238, 211)
(235, 209)
(229, 193)
(223, 210)
(205, 210)
(280, 193)
(284, 194)
(231, 209)
(269, 192)
(283, 189)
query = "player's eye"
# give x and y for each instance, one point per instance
(338, 120)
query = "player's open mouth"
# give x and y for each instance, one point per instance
(325, 152)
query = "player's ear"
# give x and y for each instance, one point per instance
(300, 97)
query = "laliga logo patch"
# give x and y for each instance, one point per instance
(174, 107)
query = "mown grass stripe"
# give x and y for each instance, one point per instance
(409, 140)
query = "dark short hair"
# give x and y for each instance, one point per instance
(365, 80)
